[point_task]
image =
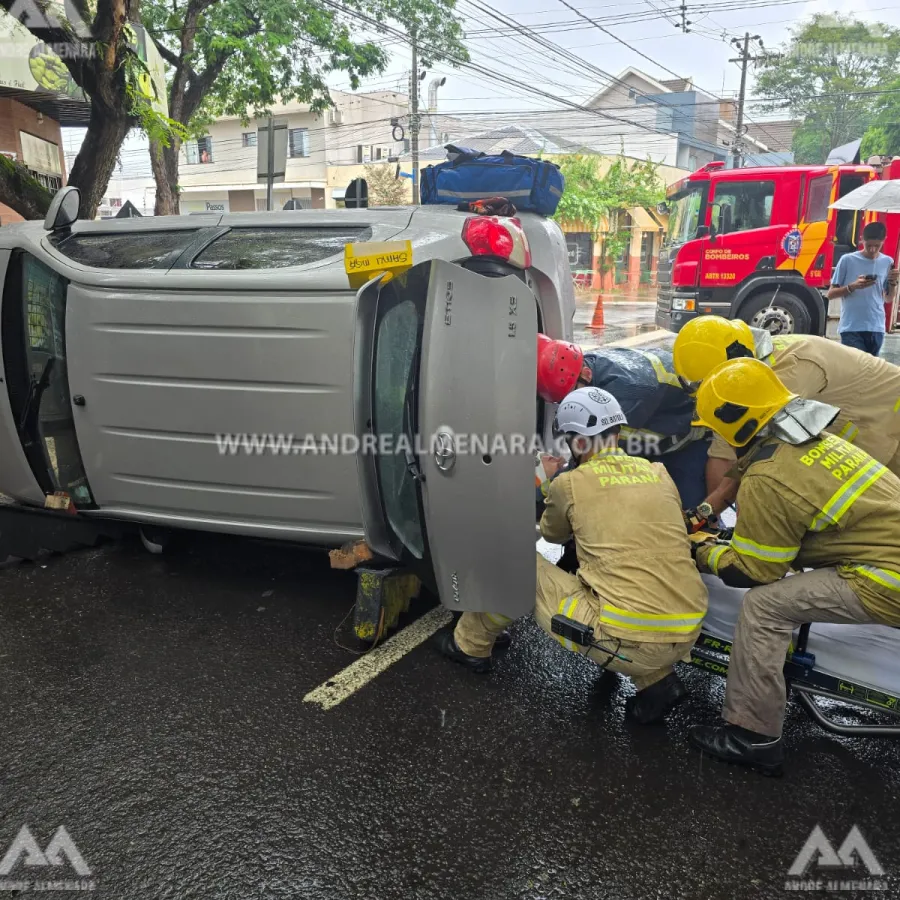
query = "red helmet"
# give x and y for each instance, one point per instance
(559, 365)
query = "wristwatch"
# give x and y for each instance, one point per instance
(706, 511)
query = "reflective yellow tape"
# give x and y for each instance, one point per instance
(884, 577)
(847, 494)
(497, 619)
(746, 547)
(848, 432)
(714, 556)
(897, 406)
(662, 376)
(567, 607)
(623, 618)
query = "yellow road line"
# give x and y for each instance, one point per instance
(359, 673)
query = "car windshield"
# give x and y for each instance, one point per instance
(396, 372)
(685, 208)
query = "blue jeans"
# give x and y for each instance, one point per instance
(867, 341)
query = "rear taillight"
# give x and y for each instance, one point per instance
(500, 238)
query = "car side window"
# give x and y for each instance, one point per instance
(134, 250)
(277, 248)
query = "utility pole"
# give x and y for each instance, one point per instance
(270, 180)
(414, 118)
(744, 59)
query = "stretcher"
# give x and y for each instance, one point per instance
(830, 669)
(828, 666)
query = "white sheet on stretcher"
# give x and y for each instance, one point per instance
(865, 654)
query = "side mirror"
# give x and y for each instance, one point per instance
(64, 208)
(662, 208)
(702, 231)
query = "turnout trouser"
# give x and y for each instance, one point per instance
(562, 592)
(755, 693)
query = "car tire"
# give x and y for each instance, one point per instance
(778, 312)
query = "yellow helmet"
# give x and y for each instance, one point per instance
(706, 342)
(738, 398)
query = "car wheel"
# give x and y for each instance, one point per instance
(778, 312)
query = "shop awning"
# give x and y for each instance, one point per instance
(643, 219)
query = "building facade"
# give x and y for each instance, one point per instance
(33, 139)
(218, 172)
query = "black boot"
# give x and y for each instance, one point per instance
(732, 744)
(447, 645)
(653, 703)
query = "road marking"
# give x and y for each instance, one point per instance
(358, 674)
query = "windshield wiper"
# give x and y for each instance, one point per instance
(410, 419)
(35, 395)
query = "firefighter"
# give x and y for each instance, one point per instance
(636, 585)
(808, 499)
(865, 389)
(659, 411)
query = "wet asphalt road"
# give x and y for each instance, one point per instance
(154, 706)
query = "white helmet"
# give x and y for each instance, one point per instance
(589, 411)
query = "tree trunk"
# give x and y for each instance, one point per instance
(22, 193)
(96, 160)
(164, 161)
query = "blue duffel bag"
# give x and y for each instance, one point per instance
(531, 185)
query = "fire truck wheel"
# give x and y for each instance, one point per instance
(778, 312)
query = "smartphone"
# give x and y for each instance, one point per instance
(870, 277)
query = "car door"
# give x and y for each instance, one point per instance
(448, 410)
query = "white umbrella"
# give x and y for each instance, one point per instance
(874, 196)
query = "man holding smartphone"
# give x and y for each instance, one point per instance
(864, 281)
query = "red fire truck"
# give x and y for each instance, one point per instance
(760, 244)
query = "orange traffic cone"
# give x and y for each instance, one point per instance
(597, 323)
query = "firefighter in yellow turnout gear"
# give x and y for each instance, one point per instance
(636, 585)
(807, 499)
(863, 387)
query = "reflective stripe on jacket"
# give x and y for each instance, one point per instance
(865, 388)
(821, 504)
(633, 550)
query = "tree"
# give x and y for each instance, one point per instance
(384, 188)
(825, 76)
(98, 53)
(592, 199)
(882, 138)
(239, 57)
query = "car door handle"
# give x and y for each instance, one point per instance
(78, 400)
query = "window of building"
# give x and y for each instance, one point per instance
(199, 151)
(818, 199)
(248, 139)
(742, 205)
(359, 153)
(298, 142)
